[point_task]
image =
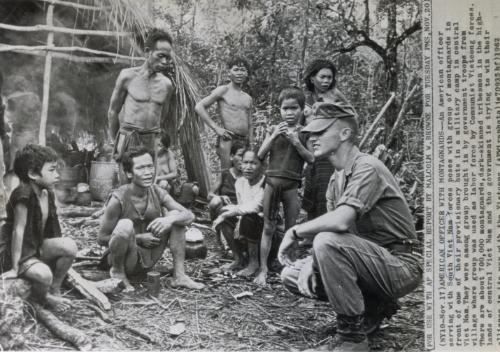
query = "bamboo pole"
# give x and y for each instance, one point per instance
(73, 5)
(46, 78)
(377, 119)
(57, 29)
(6, 48)
(82, 59)
(401, 115)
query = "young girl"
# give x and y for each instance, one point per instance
(287, 153)
(320, 82)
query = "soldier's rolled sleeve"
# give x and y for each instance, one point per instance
(330, 201)
(364, 188)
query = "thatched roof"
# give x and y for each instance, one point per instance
(97, 26)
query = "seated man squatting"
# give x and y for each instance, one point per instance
(249, 194)
(139, 221)
(363, 257)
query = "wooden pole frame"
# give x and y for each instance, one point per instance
(57, 29)
(46, 78)
(52, 48)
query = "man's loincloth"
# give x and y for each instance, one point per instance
(278, 185)
(235, 138)
(130, 137)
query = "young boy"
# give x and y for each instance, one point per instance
(287, 153)
(249, 194)
(223, 191)
(166, 166)
(38, 253)
(234, 106)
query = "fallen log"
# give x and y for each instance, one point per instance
(75, 211)
(94, 275)
(62, 330)
(88, 289)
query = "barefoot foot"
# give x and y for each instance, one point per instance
(115, 274)
(261, 278)
(248, 271)
(187, 282)
(233, 266)
(57, 303)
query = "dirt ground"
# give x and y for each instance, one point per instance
(270, 318)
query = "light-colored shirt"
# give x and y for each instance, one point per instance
(382, 214)
(250, 197)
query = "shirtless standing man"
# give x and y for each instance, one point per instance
(234, 106)
(140, 94)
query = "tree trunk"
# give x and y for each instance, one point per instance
(305, 38)
(391, 64)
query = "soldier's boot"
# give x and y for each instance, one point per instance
(376, 312)
(351, 336)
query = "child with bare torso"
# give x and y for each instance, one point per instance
(234, 107)
(166, 166)
(37, 251)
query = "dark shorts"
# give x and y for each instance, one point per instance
(28, 263)
(139, 269)
(251, 226)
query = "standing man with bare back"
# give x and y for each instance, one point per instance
(235, 109)
(140, 95)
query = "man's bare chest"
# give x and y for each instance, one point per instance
(235, 101)
(148, 90)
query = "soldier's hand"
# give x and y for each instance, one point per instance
(285, 248)
(306, 275)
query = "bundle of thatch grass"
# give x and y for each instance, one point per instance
(181, 110)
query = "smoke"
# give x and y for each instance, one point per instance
(79, 92)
